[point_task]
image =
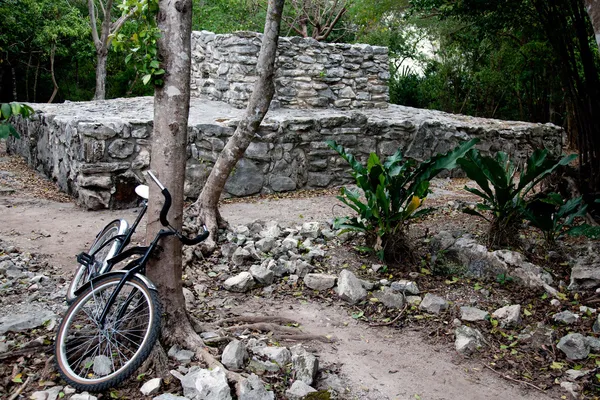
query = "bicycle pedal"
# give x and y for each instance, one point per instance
(85, 259)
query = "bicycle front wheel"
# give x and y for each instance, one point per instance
(95, 357)
(101, 252)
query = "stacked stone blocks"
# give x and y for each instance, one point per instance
(310, 74)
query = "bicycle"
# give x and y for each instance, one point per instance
(109, 242)
(111, 327)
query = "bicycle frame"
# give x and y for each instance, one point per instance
(126, 238)
(136, 266)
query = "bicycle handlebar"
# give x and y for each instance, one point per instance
(165, 210)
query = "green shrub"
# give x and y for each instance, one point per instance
(553, 215)
(393, 191)
(7, 110)
(507, 201)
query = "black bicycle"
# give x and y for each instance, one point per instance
(114, 321)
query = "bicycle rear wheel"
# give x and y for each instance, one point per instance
(94, 358)
(101, 252)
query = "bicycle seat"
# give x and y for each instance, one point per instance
(142, 191)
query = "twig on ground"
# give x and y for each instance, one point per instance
(513, 379)
(264, 327)
(392, 321)
(19, 352)
(299, 337)
(20, 389)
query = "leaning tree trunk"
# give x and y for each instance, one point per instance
(101, 58)
(207, 204)
(171, 110)
(593, 9)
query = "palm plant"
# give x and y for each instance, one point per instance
(393, 191)
(503, 196)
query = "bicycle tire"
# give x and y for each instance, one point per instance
(88, 356)
(83, 273)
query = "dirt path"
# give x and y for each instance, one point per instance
(379, 363)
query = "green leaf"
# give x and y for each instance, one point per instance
(5, 111)
(146, 78)
(154, 64)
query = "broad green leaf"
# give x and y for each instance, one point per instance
(5, 111)
(146, 78)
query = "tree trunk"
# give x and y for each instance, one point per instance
(593, 9)
(171, 110)
(101, 57)
(258, 105)
(52, 52)
(14, 83)
(35, 80)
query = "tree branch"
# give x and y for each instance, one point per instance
(95, 38)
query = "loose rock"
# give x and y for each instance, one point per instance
(151, 387)
(509, 315)
(349, 288)
(574, 346)
(299, 390)
(234, 355)
(433, 304)
(473, 314)
(239, 283)
(468, 340)
(304, 364)
(319, 281)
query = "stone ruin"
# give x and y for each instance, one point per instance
(98, 150)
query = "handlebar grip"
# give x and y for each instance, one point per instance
(196, 240)
(165, 209)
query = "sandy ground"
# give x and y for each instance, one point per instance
(379, 363)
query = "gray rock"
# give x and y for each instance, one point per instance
(596, 326)
(390, 298)
(468, 340)
(151, 387)
(184, 356)
(245, 180)
(40, 395)
(310, 230)
(368, 285)
(433, 304)
(574, 346)
(262, 274)
(304, 365)
(473, 314)
(228, 249)
(574, 374)
(253, 388)
(282, 183)
(83, 396)
(508, 316)
(266, 244)
(102, 365)
(169, 396)
(377, 267)
(301, 268)
(261, 367)
(349, 288)
(279, 355)
(204, 384)
(299, 390)
(278, 268)
(405, 286)
(585, 274)
(240, 256)
(239, 283)
(234, 355)
(289, 243)
(25, 320)
(593, 343)
(272, 230)
(566, 317)
(319, 281)
(120, 148)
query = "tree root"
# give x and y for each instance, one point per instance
(255, 319)
(262, 326)
(158, 361)
(301, 337)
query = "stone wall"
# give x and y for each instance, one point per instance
(100, 160)
(310, 74)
